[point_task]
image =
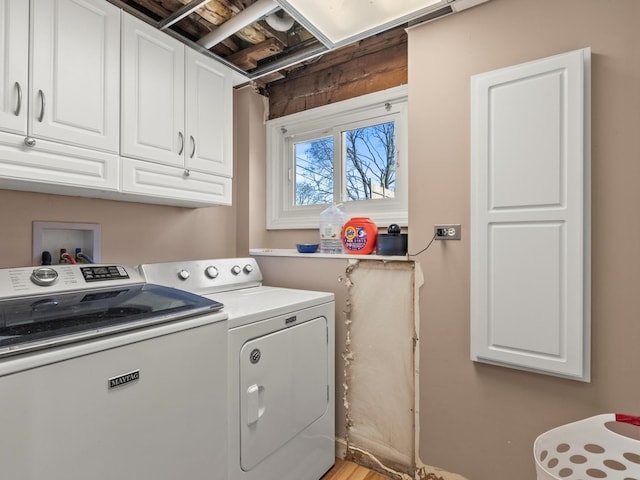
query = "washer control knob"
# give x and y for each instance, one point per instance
(248, 268)
(44, 276)
(236, 270)
(183, 274)
(211, 271)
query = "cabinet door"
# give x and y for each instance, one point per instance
(530, 216)
(14, 63)
(209, 113)
(152, 94)
(76, 73)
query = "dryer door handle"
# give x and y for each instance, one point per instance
(255, 403)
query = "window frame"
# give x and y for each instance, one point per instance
(330, 120)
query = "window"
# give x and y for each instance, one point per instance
(351, 152)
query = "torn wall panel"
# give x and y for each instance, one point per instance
(380, 372)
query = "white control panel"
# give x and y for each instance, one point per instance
(205, 276)
(15, 282)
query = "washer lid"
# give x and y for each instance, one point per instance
(30, 323)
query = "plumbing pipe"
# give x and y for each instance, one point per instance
(65, 257)
(249, 15)
(46, 258)
(84, 257)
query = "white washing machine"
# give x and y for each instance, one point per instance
(104, 376)
(281, 348)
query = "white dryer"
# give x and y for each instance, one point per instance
(281, 357)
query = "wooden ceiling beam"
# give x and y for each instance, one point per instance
(161, 11)
(371, 65)
(249, 57)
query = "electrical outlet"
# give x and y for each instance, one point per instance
(447, 232)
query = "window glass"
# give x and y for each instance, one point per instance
(370, 162)
(314, 171)
(352, 152)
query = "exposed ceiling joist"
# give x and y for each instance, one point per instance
(258, 38)
(181, 13)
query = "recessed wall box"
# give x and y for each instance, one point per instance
(54, 236)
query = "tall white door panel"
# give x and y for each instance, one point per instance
(76, 73)
(152, 94)
(530, 216)
(14, 65)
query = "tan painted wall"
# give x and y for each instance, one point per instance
(132, 233)
(480, 420)
(249, 168)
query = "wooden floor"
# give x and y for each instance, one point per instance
(344, 470)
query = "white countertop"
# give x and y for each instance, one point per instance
(292, 252)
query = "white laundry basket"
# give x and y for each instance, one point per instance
(590, 449)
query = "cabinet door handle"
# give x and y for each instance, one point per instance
(181, 137)
(19, 105)
(42, 105)
(193, 146)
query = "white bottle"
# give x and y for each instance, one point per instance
(331, 221)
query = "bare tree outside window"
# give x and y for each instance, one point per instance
(314, 171)
(370, 160)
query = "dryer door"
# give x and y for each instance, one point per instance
(283, 388)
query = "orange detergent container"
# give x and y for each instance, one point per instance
(359, 236)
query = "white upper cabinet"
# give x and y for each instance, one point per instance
(152, 94)
(209, 113)
(59, 96)
(530, 254)
(75, 73)
(176, 103)
(95, 102)
(176, 120)
(14, 65)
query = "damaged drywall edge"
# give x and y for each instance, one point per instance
(381, 467)
(347, 355)
(426, 472)
(265, 105)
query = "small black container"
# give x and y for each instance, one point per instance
(392, 243)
